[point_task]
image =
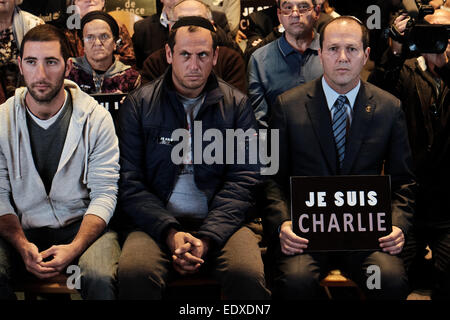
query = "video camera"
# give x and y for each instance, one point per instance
(421, 36)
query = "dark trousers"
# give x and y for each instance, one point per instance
(438, 239)
(145, 267)
(298, 276)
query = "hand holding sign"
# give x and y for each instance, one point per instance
(393, 243)
(291, 243)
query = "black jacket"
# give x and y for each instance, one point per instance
(146, 121)
(427, 117)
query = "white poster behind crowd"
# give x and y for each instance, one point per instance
(139, 7)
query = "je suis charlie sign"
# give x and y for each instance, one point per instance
(341, 213)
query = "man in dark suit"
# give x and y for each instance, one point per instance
(340, 125)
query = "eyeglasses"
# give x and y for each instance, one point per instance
(287, 9)
(102, 38)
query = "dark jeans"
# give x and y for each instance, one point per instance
(298, 276)
(145, 267)
(438, 239)
(98, 264)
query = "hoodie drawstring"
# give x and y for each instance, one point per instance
(86, 147)
(18, 171)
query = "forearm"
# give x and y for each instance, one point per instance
(91, 227)
(11, 230)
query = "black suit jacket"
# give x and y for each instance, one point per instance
(377, 140)
(149, 35)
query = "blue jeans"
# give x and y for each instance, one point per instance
(98, 264)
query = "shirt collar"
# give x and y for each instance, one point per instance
(163, 19)
(332, 95)
(286, 49)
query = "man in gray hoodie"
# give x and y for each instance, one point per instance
(58, 175)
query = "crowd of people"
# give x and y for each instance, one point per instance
(79, 187)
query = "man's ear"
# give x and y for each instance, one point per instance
(366, 55)
(68, 67)
(320, 55)
(168, 54)
(216, 56)
(19, 61)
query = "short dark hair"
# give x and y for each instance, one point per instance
(46, 33)
(364, 30)
(191, 29)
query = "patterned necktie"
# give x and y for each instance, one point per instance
(340, 126)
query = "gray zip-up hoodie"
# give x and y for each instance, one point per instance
(87, 174)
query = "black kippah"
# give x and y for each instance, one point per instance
(101, 15)
(193, 21)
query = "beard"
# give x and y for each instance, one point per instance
(49, 95)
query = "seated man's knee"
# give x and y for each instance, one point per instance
(245, 281)
(392, 282)
(297, 282)
(96, 284)
(138, 281)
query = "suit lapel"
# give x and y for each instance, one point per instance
(363, 111)
(320, 117)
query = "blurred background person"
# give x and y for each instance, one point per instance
(151, 33)
(14, 24)
(231, 8)
(98, 70)
(125, 50)
(230, 64)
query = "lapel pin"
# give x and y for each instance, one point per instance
(368, 109)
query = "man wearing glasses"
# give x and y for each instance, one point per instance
(287, 62)
(98, 71)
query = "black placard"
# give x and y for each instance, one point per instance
(111, 102)
(347, 213)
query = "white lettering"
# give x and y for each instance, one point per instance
(381, 221)
(318, 222)
(320, 199)
(372, 195)
(334, 223)
(310, 202)
(339, 201)
(351, 198)
(348, 222)
(360, 227)
(300, 223)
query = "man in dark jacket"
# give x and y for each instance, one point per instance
(187, 213)
(423, 85)
(339, 125)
